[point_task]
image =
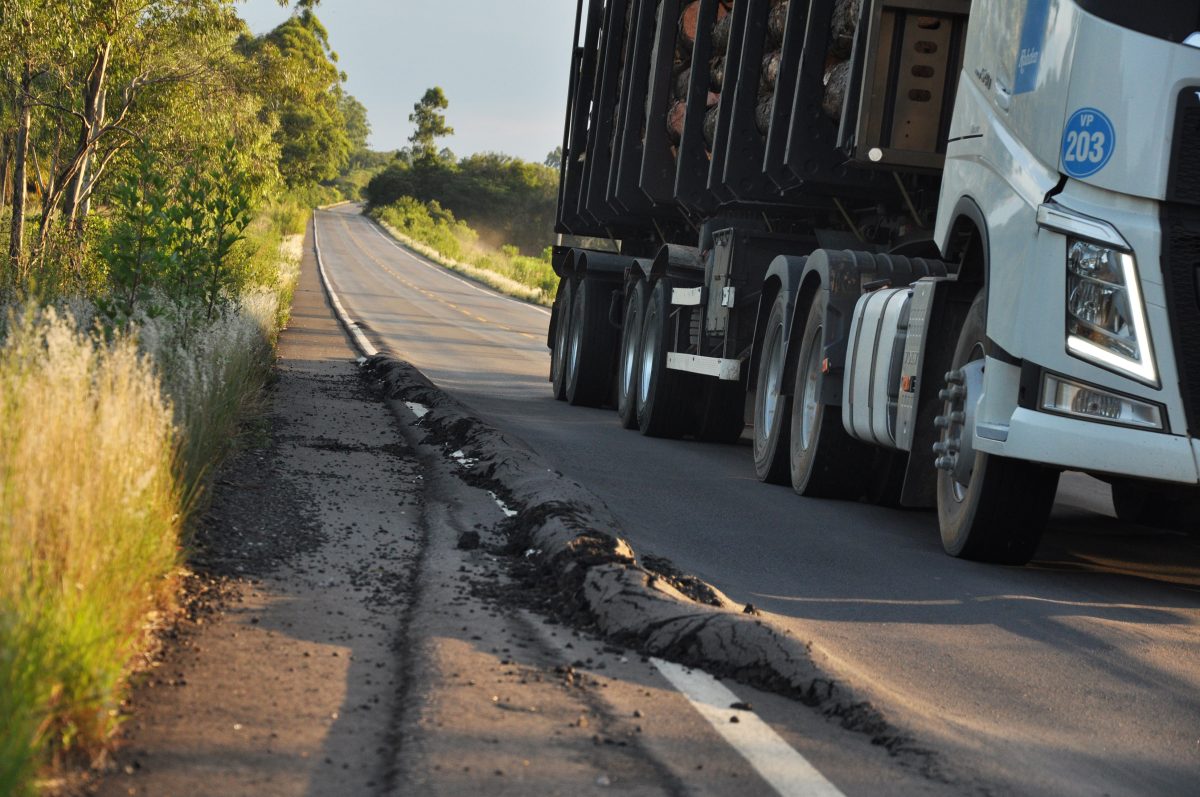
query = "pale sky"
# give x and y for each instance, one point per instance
(503, 66)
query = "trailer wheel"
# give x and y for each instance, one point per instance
(661, 407)
(825, 461)
(629, 367)
(562, 327)
(592, 347)
(990, 509)
(772, 404)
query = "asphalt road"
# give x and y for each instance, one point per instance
(1079, 674)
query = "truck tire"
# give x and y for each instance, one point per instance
(825, 462)
(562, 327)
(722, 412)
(629, 364)
(592, 345)
(772, 404)
(999, 513)
(661, 400)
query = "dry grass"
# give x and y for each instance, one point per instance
(90, 523)
(105, 448)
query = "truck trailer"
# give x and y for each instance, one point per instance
(931, 252)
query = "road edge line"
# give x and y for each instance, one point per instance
(351, 326)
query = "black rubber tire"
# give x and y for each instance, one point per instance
(772, 404)
(824, 461)
(629, 360)
(661, 397)
(999, 517)
(564, 299)
(722, 412)
(592, 346)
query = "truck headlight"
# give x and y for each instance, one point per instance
(1106, 318)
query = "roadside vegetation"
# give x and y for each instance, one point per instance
(157, 166)
(488, 216)
(431, 230)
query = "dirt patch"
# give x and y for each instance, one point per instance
(567, 559)
(257, 519)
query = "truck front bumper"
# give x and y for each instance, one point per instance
(1075, 444)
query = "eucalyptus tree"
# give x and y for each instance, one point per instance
(35, 35)
(301, 87)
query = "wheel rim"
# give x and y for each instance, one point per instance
(629, 349)
(966, 404)
(576, 339)
(809, 398)
(766, 413)
(649, 347)
(560, 343)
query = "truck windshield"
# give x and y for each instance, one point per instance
(1173, 20)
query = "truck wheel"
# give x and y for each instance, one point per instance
(629, 368)
(661, 407)
(562, 327)
(825, 461)
(990, 509)
(722, 412)
(592, 347)
(772, 405)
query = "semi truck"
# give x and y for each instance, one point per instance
(925, 253)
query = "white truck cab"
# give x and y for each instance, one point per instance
(1076, 142)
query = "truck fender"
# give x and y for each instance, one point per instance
(564, 267)
(605, 265)
(578, 263)
(967, 220)
(673, 260)
(783, 277)
(642, 268)
(843, 277)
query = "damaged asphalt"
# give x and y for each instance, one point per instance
(394, 598)
(567, 548)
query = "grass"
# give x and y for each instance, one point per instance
(90, 524)
(433, 232)
(107, 444)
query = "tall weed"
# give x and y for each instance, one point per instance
(107, 443)
(90, 524)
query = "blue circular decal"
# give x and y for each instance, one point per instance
(1088, 143)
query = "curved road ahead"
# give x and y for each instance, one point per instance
(1079, 674)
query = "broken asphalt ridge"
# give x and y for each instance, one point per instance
(569, 546)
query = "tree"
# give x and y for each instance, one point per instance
(430, 124)
(301, 87)
(554, 159)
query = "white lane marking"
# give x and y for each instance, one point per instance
(445, 273)
(788, 772)
(364, 345)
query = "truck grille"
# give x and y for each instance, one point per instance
(1183, 183)
(1181, 279)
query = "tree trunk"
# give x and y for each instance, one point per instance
(76, 205)
(50, 193)
(5, 162)
(16, 244)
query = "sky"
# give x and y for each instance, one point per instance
(503, 66)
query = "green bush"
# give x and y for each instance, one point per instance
(436, 227)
